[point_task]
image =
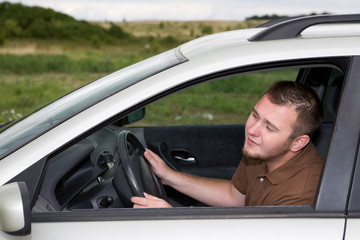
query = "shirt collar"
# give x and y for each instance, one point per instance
(289, 169)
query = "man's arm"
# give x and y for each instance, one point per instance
(213, 192)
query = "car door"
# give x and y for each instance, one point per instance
(181, 226)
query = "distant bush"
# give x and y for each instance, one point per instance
(168, 40)
(275, 16)
(207, 29)
(118, 32)
(266, 17)
(19, 21)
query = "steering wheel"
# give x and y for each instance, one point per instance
(135, 175)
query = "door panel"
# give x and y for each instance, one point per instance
(352, 229)
(243, 228)
(209, 151)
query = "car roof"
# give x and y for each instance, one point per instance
(323, 27)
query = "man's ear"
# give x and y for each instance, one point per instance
(299, 143)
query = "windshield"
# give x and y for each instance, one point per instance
(64, 108)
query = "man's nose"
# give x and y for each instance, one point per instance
(254, 129)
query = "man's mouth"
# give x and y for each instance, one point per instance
(251, 141)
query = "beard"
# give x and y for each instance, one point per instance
(269, 155)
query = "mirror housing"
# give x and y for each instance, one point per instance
(15, 209)
(132, 117)
(136, 116)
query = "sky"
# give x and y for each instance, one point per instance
(189, 10)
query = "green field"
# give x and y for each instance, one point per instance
(34, 72)
(227, 101)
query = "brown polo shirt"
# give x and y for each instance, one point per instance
(294, 183)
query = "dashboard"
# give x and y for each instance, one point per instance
(81, 176)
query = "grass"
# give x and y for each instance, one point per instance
(21, 94)
(36, 72)
(228, 100)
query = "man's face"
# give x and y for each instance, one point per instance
(268, 130)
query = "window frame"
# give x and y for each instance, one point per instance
(321, 208)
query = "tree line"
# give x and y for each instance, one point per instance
(275, 16)
(20, 21)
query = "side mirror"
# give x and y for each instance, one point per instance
(15, 210)
(132, 117)
(136, 116)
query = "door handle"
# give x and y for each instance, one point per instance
(183, 157)
(189, 160)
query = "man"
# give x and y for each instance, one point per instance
(280, 165)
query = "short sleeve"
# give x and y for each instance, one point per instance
(239, 180)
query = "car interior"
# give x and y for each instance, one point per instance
(106, 166)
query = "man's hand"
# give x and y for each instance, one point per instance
(149, 201)
(213, 192)
(158, 165)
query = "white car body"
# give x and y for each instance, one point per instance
(206, 55)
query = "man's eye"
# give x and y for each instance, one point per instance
(255, 115)
(268, 127)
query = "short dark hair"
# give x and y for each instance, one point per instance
(307, 105)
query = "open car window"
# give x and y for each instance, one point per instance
(199, 130)
(230, 100)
